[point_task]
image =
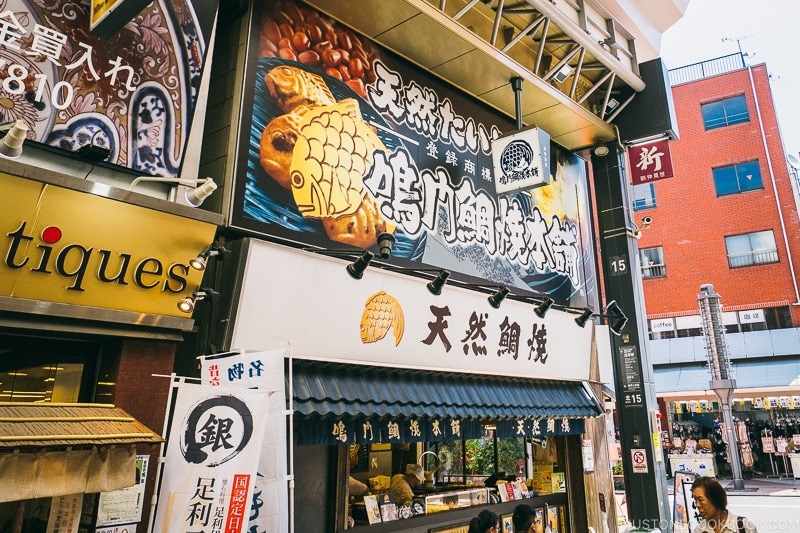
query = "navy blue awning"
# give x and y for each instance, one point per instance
(334, 390)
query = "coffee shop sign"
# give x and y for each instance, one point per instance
(49, 44)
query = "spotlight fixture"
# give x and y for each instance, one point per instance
(195, 197)
(497, 298)
(584, 317)
(543, 307)
(356, 268)
(613, 308)
(187, 304)
(385, 245)
(620, 320)
(15, 134)
(435, 285)
(618, 325)
(203, 188)
(201, 261)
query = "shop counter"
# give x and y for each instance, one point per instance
(700, 464)
(446, 500)
(458, 519)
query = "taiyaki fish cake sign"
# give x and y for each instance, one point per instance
(390, 319)
(521, 160)
(132, 93)
(342, 141)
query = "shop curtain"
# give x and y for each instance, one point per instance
(46, 474)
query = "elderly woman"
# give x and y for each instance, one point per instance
(712, 505)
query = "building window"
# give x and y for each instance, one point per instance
(46, 370)
(689, 326)
(644, 196)
(483, 457)
(652, 260)
(751, 249)
(737, 178)
(725, 112)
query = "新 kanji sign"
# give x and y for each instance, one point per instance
(650, 162)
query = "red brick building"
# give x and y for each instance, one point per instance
(729, 217)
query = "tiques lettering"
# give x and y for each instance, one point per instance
(74, 261)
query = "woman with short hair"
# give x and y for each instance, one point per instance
(712, 505)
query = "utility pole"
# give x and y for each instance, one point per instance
(642, 457)
(722, 383)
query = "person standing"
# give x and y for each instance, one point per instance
(712, 505)
(485, 522)
(401, 486)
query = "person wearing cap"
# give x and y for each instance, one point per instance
(401, 485)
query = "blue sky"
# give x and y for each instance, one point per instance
(769, 30)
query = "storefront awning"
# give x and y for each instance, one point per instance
(338, 390)
(59, 449)
(768, 375)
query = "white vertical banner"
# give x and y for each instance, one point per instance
(212, 452)
(263, 369)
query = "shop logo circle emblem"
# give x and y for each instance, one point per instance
(517, 156)
(216, 430)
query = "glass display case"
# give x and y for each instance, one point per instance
(444, 501)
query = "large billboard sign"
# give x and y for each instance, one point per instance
(132, 94)
(342, 140)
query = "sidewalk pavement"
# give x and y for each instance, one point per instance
(762, 486)
(759, 486)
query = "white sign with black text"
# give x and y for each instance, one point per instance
(521, 160)
(212, 457)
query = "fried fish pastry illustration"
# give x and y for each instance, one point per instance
(332, 154)
(321, 150)
(361, 229)
(292, 87)
(277, 146)
(382, 312)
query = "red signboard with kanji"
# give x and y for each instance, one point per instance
(650, 162)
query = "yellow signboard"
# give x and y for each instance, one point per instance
(60, 245)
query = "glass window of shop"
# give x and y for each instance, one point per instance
(452, 470)
(38, 369)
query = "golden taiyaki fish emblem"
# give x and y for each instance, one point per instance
(382, 312)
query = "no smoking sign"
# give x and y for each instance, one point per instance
(639, 460)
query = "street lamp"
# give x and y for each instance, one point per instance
(722, 383)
